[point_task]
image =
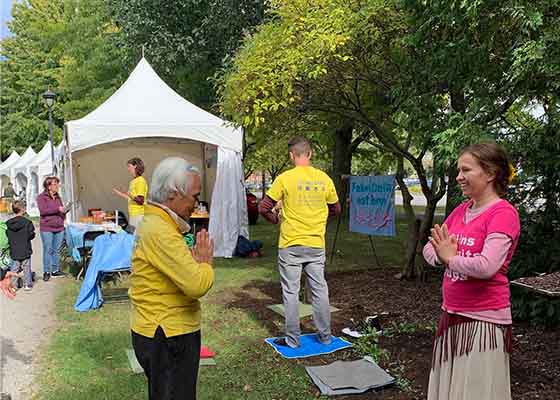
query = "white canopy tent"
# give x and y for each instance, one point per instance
(145, 118)
(18, 171)
(39, 167)
(5, 170)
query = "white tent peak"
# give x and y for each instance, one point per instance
(42, 156)
(146, 106)
(11, 160)
(25, 158)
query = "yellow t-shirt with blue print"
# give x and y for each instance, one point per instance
(305, 193)
(137, 187)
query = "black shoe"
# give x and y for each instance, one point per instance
(46, 276)
(281, 341)
(57, 274)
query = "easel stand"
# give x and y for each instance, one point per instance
(345, 179)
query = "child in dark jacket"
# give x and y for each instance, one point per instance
(20, 234)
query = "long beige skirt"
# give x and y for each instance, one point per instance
(470, 361)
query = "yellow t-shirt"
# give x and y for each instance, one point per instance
(166, 282)
(305, 193)
(138, 187)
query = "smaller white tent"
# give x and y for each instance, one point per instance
(5, 167)
(39, 167)
(18, 171)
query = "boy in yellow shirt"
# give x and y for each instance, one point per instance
(308, 198)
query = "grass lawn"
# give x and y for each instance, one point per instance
(86, 357)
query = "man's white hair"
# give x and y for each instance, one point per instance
(172, 175)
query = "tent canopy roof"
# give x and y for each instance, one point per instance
(23, 162)
(42, 157)
(145, 106)
(9, 162)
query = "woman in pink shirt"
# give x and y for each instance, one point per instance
(475, 245)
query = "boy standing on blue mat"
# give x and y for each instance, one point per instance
(308, 198)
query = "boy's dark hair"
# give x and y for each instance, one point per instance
(138, 165)
(299, 145)
(18, 206)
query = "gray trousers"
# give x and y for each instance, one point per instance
(291, 261)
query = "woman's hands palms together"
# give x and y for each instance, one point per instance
(444, 244)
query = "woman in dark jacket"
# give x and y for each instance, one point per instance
(52, 214)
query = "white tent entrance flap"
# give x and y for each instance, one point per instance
(146, 118)
(229, 204)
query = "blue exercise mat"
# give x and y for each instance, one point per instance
(309, 346)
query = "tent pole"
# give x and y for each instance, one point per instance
(73, 217)
(203, 172)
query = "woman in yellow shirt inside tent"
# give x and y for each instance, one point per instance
(137, 192)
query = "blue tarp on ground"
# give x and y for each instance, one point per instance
(111, 253)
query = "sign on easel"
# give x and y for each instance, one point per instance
(372, 205)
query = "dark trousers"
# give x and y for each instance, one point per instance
(170, 364)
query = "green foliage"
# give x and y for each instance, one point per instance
(370, 160)
(27, 68)
(537, 199)
(397, 369)
(368, 345)
(305, 62)
(186, 41)
(269, 156)
(67, 44)
(400, 328)
(538, 308)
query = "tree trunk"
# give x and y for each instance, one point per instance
(418, 227)
(263, 184)
(409, 270)
(454, 195)
(342, 160)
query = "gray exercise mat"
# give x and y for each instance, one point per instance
(349, 377)
(133, 362)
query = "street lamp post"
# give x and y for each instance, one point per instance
(49, 96)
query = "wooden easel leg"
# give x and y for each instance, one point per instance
(374, 252)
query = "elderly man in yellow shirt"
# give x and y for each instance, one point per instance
(167, 281)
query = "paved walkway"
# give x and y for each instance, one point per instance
(26, 324)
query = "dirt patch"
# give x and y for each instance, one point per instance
(548, 284)
(411, 310)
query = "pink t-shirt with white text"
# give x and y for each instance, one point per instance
(463, 293)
